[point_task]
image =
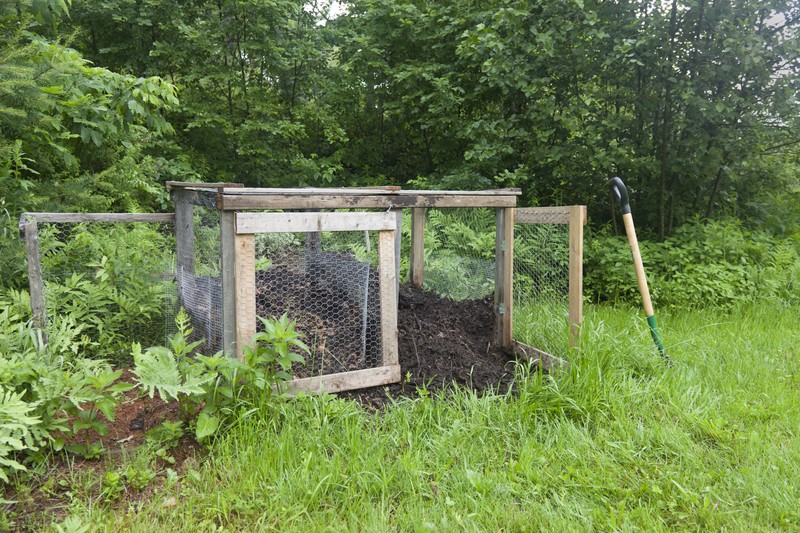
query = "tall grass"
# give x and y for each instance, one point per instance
(617, 440)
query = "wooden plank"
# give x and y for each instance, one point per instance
(357, 379)
(30, 232)
(537, 357)
(577, 219)
(100, 217)
(417, 246)
(312, 222)
(228, 274)
(240, 202)
(508, 278)
(355, 191)
(245, 259)
(543, 215)
(388, 289)
(195, 185)
(499, 272)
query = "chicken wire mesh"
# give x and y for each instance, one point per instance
(541, 285)
(200, 284)
(328, 283)
(108, 284)
(460, 253)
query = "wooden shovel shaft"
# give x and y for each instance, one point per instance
(647, 303)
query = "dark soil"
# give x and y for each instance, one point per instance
(443, 342)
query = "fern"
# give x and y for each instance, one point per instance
(158, 371)
(18, 430)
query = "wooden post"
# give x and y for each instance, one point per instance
(508, 279)
(227, 229)
(499, 271)
(397, 242)
(417, 245)
(577, 218)
(30, 231)
(387, 274)
(245, 281)
(184, 240)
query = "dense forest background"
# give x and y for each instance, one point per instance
(693, 103)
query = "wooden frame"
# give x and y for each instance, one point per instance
(575, 217)
(243, 232)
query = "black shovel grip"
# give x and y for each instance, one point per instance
(620, 194)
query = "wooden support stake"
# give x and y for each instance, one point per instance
(227, 229)
(417, 245)
(508, 279)
(245, 280)
(35, 282)
(184, 239)
(499, 269)
(398, 239)
(577, 218)
(387, 274)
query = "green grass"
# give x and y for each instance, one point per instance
(617, 441)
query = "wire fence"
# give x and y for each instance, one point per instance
(199, 282)
(328, 283)
(541, 284)
(460, 253)
(109, 284)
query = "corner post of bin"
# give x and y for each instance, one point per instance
(504, 276)
(29, 232)
(184, 237)
(417, 246)
(577, 219)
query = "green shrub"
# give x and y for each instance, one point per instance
(714, 263)
(105, 277)
(210, 390)
(43, 381)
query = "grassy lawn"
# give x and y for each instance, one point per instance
(619, 440)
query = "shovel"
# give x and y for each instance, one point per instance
(620, 194)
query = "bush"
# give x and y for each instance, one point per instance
(716, 263)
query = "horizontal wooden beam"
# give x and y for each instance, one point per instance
(98, 217)
(357, 379)
(242, 202)
(537, 357)
(195, 185)
(360, 191)
(312, 222)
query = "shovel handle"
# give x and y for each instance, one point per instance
(620, 194)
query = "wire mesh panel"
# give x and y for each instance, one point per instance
(460, 253)
(334, 275)
(541, 279)
(328, 283)
(199, 281)
(111, 282)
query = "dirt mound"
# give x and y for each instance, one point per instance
(443, 342)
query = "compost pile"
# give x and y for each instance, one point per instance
(443, 342)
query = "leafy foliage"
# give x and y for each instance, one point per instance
(210, 390)
(703, 264)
